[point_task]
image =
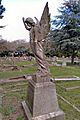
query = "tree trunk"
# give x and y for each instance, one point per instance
(72, 59)
(73, 56)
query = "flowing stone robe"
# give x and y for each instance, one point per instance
(36, 43)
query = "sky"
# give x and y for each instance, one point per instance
(16, 9)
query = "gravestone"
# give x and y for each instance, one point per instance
(1, 96)
(64, 62)
(41, 102)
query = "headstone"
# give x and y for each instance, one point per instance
(1, 95)
(0, 116)
(64, 61)
(41, 102)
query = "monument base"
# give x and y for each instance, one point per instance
(58, 115)
(41, 103)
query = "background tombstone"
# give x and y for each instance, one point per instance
(1, 102)
(64, 61)
(41, 103)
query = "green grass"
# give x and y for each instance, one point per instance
(70, 113)
(14, 86)
(67, 71)
(14, 99)
(22, 71)
(55, 71)
(7, 110)
(20, 118)
(22, 87)
(69, 83)
(73, 96)
(23, 63)
(8, 74)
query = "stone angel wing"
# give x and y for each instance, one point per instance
(45, 22)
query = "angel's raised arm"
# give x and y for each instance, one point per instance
(25, 24)
(37, 21)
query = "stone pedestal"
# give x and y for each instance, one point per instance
(41, 103)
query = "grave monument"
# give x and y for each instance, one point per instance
(41, 102)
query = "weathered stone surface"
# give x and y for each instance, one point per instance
(1, 95)
(0, 116)
(58, 115)
(64, 63)
(38, 32)
(41, 96)
(41, 103)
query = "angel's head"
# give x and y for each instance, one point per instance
(29, 21)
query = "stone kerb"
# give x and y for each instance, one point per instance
(1, 96)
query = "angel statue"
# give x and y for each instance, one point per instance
(38, 34)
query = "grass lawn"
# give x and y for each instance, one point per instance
(12, 99)
(8, 74)
(21, 63)
(68, 71)
(70, 113)
(73, 96)
(68, 84)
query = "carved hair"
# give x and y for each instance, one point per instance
(30, 20)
